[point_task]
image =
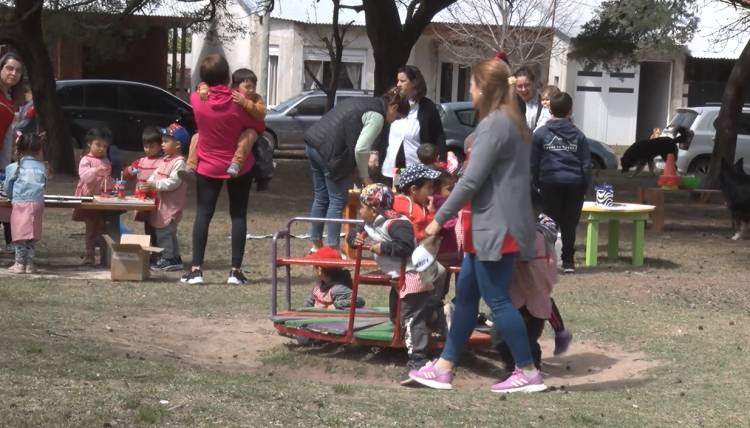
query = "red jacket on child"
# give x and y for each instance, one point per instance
(419, 216)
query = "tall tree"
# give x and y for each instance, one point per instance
(334, 45)
(24, 32)
(522, 29)
(392, 40)
(725, 145)
(618, 35)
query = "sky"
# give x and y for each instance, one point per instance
(713, 18)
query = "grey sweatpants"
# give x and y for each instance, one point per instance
(24, 251)
(166, 238)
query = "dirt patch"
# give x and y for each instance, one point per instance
(244, 345)
(226, 344)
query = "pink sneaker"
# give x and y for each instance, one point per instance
(519, 382)
(432, 376)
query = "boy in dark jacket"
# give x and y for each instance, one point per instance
(561, 169)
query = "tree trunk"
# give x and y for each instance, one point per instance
(33, 51)
(726, 124)
(391, 41)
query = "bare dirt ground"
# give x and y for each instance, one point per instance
(240, 344)
(668, 330)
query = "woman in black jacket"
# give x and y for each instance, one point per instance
(338, 146)
(398, 147)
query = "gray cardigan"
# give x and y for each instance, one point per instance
(497, 181)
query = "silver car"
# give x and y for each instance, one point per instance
(287, 122)
(695, 156)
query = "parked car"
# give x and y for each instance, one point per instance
(695, 155)
(459, 121)
(287, 122)
(123, 107)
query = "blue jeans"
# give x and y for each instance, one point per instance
(329, 198)
(490, 281)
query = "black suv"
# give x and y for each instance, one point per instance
(123, 107)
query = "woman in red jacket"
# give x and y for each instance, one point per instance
(11, 97)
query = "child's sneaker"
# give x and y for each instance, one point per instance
(236, 277)
(194, 277)
(562, 342)
(519, 382)
(17, 268)
(30, 268)
(432, 376)
(233, 170)
(167, 265)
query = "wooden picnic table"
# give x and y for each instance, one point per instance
(112, 206)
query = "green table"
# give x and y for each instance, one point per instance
(595, 214)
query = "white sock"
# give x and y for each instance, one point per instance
(530, 372)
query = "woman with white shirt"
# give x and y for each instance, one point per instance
(403, 137)
(526, 89)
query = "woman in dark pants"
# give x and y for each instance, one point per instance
(338, 146)
(401, 139)
(220, 121)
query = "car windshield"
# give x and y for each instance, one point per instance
(684, 118)
(284, 105)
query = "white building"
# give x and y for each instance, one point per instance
(616, 107)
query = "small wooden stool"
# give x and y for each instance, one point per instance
(655, 197)
(596, 214)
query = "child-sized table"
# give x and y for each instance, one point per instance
(111, 207)
(595, 214)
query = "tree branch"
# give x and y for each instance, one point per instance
(357, 8)
(314, 78)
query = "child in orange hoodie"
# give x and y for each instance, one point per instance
(415, 185)
(244, 82)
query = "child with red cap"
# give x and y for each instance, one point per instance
(333, 286)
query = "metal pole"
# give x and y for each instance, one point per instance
(173, 81)
(262, 88)
(183, 48)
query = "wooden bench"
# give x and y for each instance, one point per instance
(655, 196)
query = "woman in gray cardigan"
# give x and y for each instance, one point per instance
(496, 184)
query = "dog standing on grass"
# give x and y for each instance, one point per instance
(643, 152)
(735, 186)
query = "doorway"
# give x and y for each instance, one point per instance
(654, 100)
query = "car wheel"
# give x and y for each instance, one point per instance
(597, 164)
(271, 137)
(699, 166)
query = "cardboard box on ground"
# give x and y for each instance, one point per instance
(130, 257)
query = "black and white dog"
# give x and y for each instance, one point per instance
(735, 186)
(643, 152)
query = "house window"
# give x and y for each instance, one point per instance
(350, 74)
(273, 75)
(462, 89)
(446, 82)
(454, 82)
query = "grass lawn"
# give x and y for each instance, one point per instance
(661, 345)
